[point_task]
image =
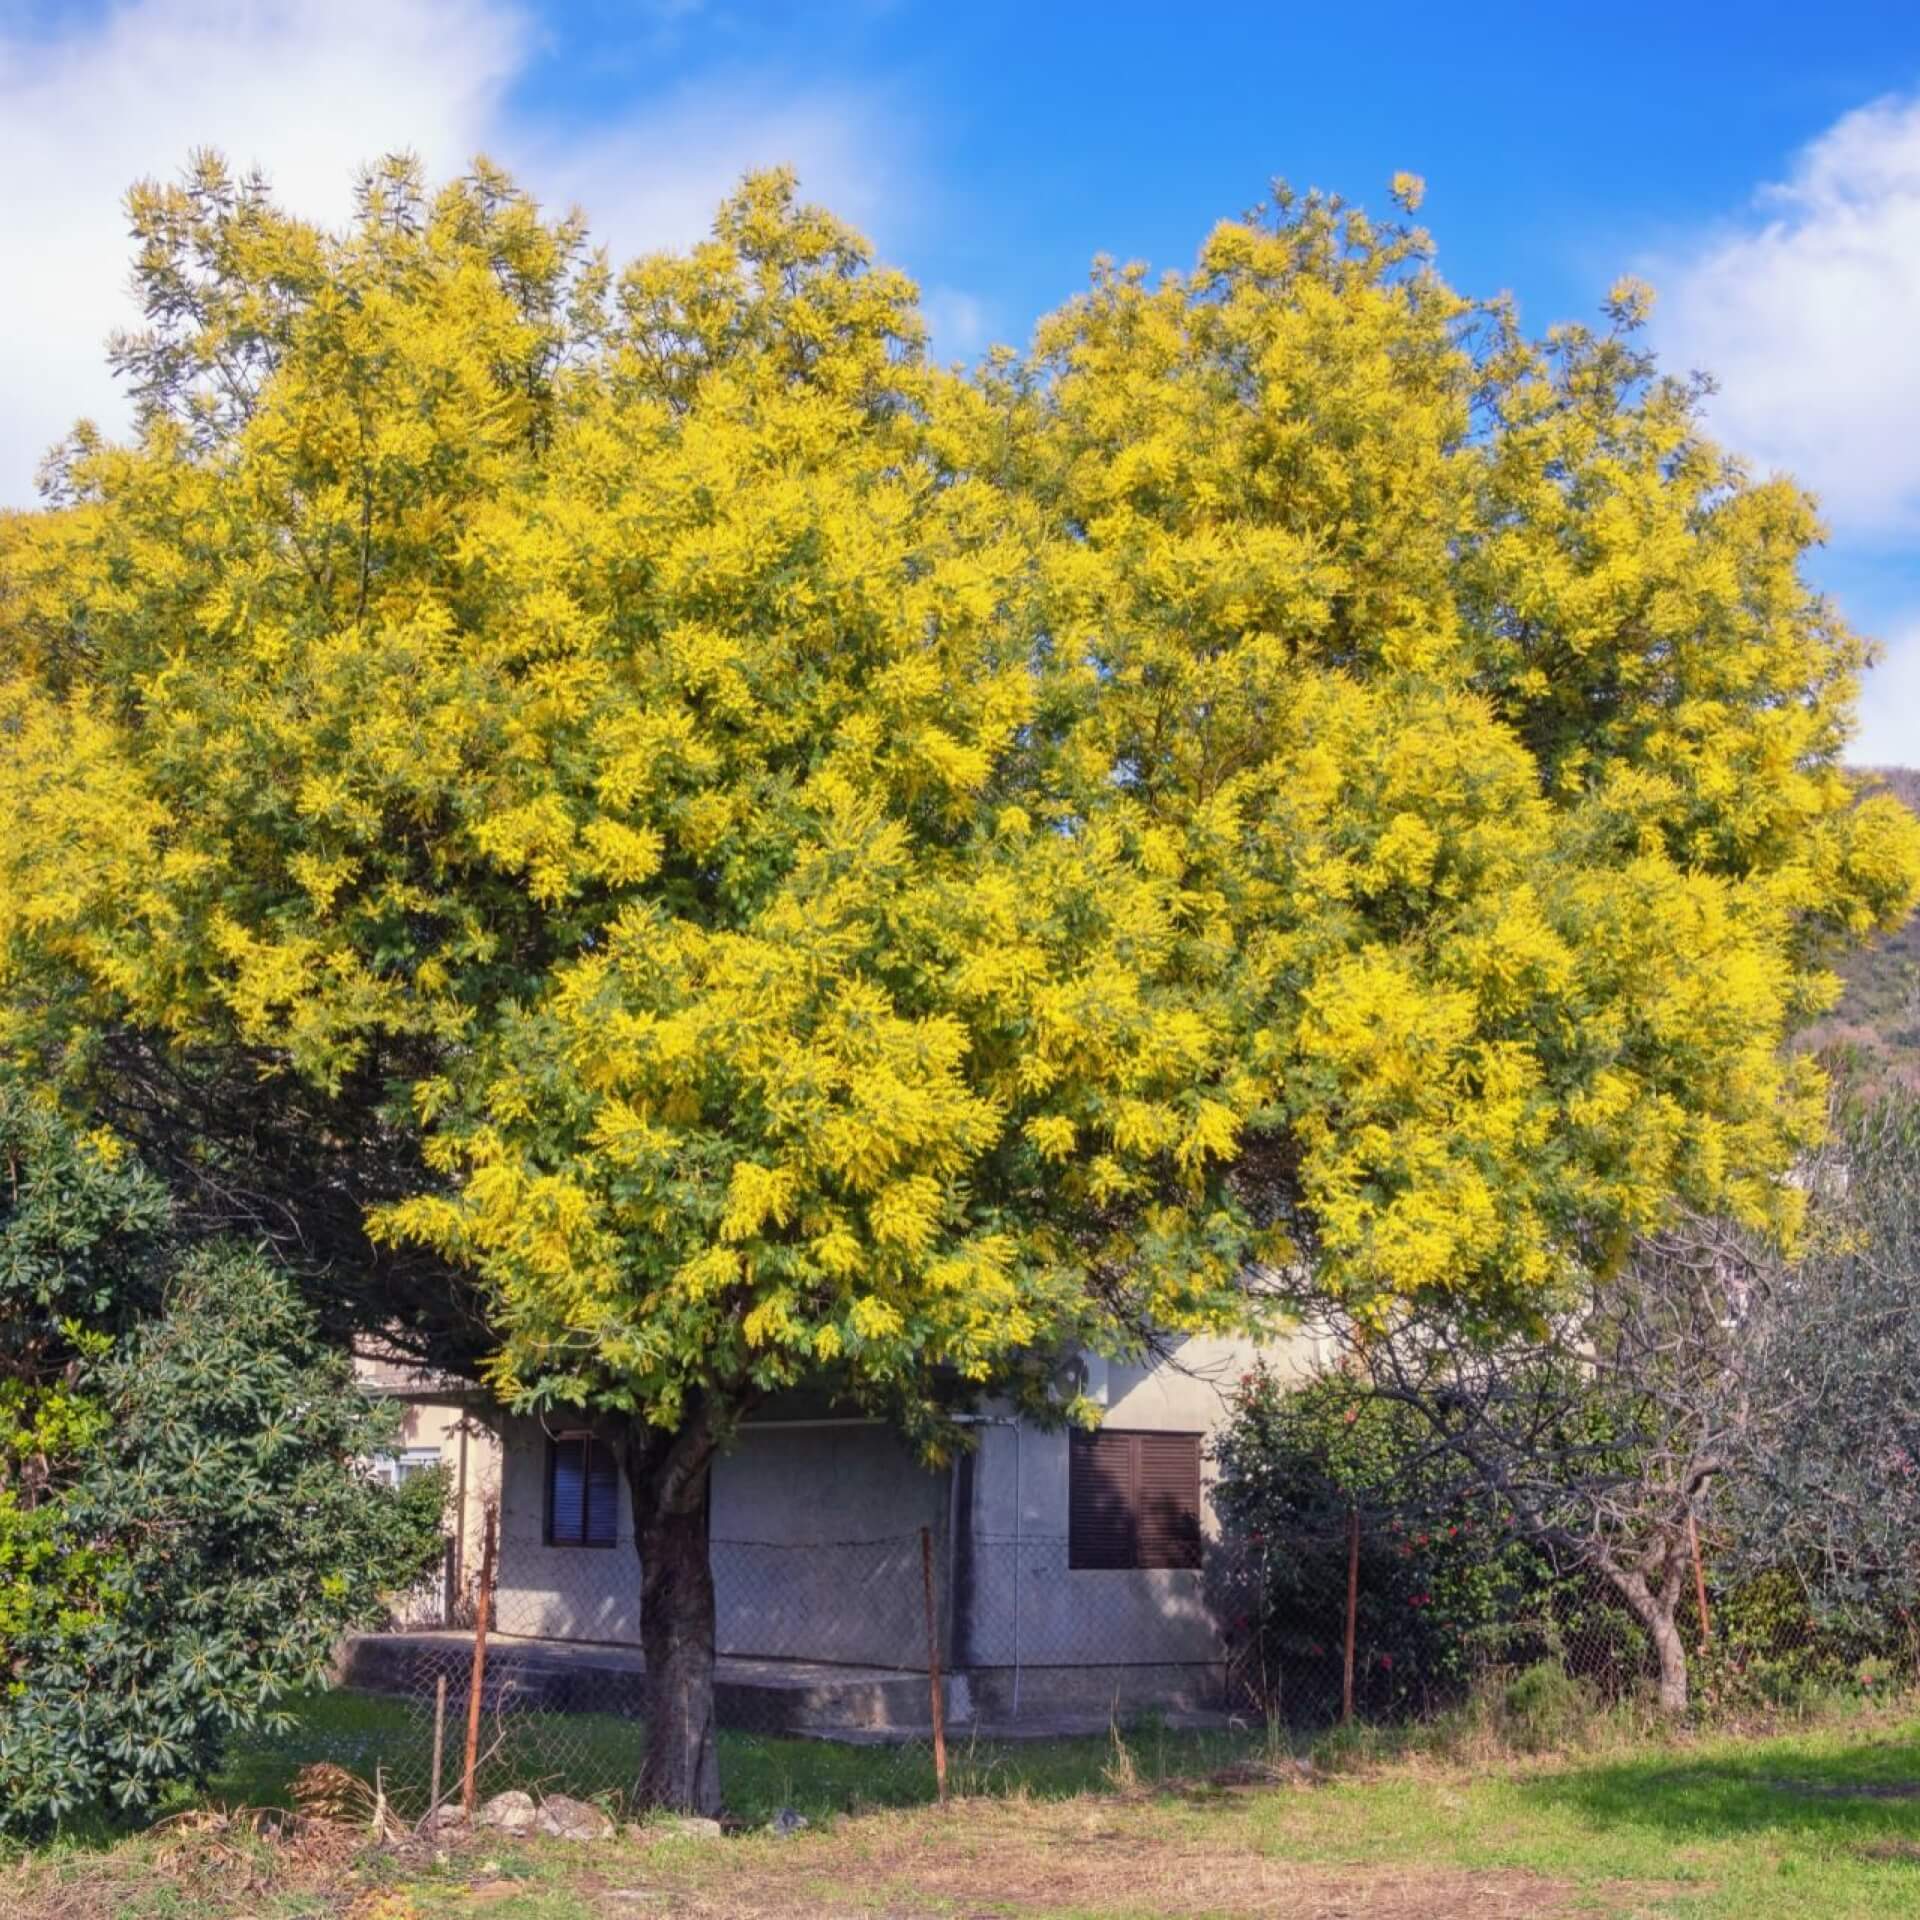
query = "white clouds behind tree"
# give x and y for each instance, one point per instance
(1806, 316)
(1805, 311)
(89, 108)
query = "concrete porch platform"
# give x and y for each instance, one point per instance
(574, 1676)
(811, 1699)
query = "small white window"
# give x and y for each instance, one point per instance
(395, 1469)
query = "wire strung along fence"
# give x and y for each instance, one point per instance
(1380, 1619)
(531, 1676)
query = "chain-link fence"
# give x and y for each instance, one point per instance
(529, 1673)
(533, 1678)
(1385, 1620)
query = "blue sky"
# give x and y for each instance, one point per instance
(1760, 164)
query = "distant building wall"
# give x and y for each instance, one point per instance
(443, 1422)
(469, 1453)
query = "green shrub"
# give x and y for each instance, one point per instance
(186, 1525)
(1544, 1707)
(1447, 1591)
(82, 1228)
(1772, 1647)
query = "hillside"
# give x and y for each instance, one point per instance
(1878, 1018)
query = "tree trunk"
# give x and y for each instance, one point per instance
(670, 1479)
(1655, 1612)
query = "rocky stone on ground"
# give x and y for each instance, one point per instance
(569, 1819)
(512, 1812)
(691, 1826)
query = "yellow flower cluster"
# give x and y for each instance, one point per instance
(891, 868)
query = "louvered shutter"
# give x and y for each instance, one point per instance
(1100, 1503)
(603, 1497)
(1168, 1499)
(1133, 1500)
(566, 1492)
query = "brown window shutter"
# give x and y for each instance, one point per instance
(1168, 1486)
(583, 1493)
(1133, 1500)
(1101, 1476)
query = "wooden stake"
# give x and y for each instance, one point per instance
(482, 1607)
(1699, 1580)
(933, 1668)
(1353, 1611)
(439, 1745)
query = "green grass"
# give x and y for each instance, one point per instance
(1812, 1826)
(595, 1755)
(1721, 1827)
(1818, 1824)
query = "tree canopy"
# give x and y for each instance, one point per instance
(844, 854)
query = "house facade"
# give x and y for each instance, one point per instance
(1072, 1570)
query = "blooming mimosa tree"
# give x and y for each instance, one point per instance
(665, 841)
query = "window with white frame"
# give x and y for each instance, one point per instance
(396, 1469)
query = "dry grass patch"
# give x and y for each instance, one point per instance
(1092, 1856)
(203, 1864)
(216, 1861)
(978, 1860)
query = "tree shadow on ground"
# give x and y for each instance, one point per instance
(1860, 1797)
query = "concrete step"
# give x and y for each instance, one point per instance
(759, 1696)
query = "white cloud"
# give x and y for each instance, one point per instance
(1889, 733)
(308, 92)
(959, 324)
(1807, 312)
(654, 181)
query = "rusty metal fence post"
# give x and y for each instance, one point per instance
(1353, 1612)
(482, 1609)
(1699, 1582)
(933, 1667)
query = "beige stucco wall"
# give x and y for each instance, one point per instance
(469, 1451)
(439, 1416)
(1028, 1606)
